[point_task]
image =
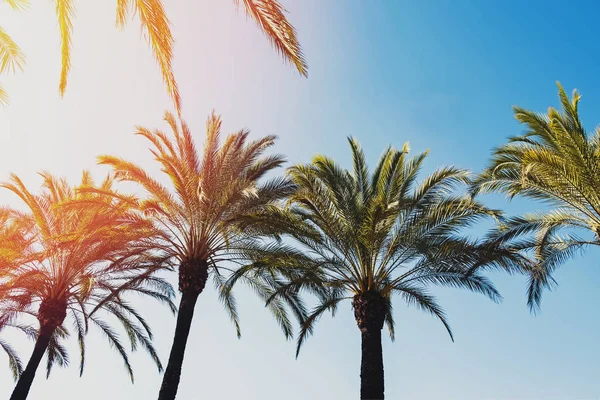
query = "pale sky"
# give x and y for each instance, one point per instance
(385, 72)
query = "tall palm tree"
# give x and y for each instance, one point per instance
(85, 252)
(11, 56)
(556, 161)
(268, 14)
(369, 235)
(211, 193)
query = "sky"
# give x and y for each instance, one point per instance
(441, 75)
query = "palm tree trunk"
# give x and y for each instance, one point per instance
(192, 279)
(26, 379)
(370, 309)
(170, 383)
(371, 365)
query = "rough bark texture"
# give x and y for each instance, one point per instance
(51, 314)
(193, 276)
(192, 279)
(370, 311)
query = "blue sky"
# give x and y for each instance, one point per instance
(442, 75)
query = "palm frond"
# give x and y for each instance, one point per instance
(307, 328)
(11, 56)
(157, 26)
(18, 5)
(14, 362)
(270, 17)
(555, 161)
(421, 299)
(65, 10)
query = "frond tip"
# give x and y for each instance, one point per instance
(18, 5)
(270, 17)
(11, 56)
(65, 10)
(157, 26)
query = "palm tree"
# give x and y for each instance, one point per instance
(268, 14)
(557, 162)
(210, 195)
(84, 252)
(11, 56)
(369, 235)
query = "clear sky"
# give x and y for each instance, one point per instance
(439, 74)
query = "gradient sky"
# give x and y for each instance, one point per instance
(439, 74)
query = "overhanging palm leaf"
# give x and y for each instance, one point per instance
(11, 56)
(557, 162)
(270, 17)
(154, 22)
(80, 252)
(157, 27)
(65, 10)
(268, 14)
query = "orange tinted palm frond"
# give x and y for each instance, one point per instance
(65, 11)
(18, 5)
(3, 96)
(156, 24)
(93, 225)
(14, 239)
(185, 144)
(209, 190)
(171, 210)
(123, 10)
(270, 17)
(98, 248)
(209, 168)
(128, 171)
(181, 163)
(57, 189)
(11, 56)
(40, 211)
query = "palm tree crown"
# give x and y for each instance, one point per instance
(557, 162)
(83, 252)
(200, 216)
(368, 235)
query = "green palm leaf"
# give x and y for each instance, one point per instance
(556, 162)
